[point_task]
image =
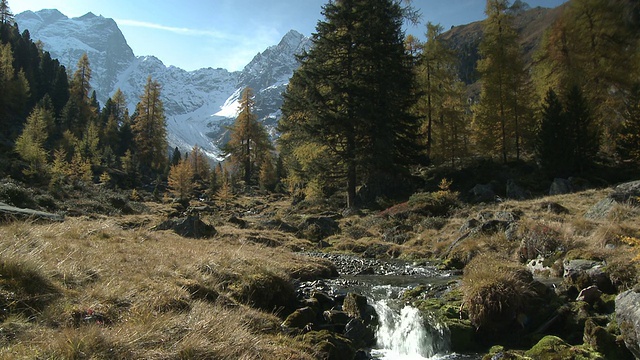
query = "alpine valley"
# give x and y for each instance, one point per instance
(198, 104)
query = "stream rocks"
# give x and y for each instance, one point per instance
(347, 321)
(628, 317)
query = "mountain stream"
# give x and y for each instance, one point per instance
(403, 333)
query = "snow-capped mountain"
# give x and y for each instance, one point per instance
(198, 104)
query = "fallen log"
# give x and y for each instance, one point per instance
(8, 212)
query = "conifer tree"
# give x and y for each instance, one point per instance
(6, 16)
(347, 111)
(441, 102)
(79, 111)
(199, 163)
(568, 138)
(249, 142)
(181, 179)
(14, 87)
(505, 95)
(593, 45)
(149, 129)
(628, 143)
(585, 131)
(176, 157)
(30, 145)
(554, 141)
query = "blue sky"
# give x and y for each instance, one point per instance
(193, 34)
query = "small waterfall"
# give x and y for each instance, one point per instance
(404, 334)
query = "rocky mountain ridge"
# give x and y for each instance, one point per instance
(198, 104)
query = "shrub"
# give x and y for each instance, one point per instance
(16, 195)
(495, 292)
(539, 240)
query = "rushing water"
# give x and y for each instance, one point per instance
(403, 332)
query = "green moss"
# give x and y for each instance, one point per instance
(329, 345)
(554, 348)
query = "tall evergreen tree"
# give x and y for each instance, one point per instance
(79, 110)
(6, 16)
(554, 146)
(346, 114)
(199, 163)
(149, 129)
(568, 138)
(585, 131)
(441, 102)
(628, 142)
(504, 93)
(249, 143)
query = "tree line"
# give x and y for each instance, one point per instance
(369, 104)
(55, 131)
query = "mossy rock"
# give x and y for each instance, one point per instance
(463, 336)
(300, 318)
(554, 348)
(601, 340)
(266, 291)
(499, 352)
(328, 345)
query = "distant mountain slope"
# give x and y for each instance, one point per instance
(530, 25)
(198, 104)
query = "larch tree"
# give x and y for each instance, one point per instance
(181, 179)
(30, 145)
(505, 95)
(249, 142)
(199, 163)
(149, 129)
(79, 112)
(441, 103)
(347, 115)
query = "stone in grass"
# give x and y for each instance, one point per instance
(189, 227)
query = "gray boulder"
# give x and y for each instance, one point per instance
(483, 193)
(560, 186)
(628, 318)
(190, 227)
(514, 191)
(627, 193)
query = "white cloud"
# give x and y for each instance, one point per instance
(177, 30)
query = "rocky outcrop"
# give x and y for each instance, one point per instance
(560, 186)
(627, 193)
(190, 227)
(628, 317)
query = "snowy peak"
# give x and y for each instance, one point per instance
(68, 39)
(198, 104)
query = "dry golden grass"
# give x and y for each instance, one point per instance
(105, 292)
